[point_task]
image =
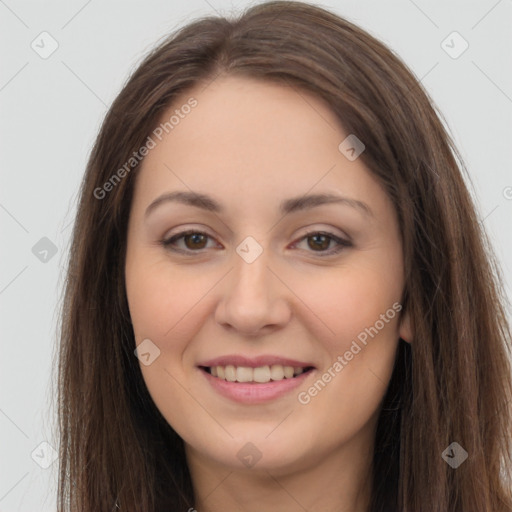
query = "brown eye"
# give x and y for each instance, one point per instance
(194, 241)
(319, 241)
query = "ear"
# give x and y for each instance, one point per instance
(406, 331)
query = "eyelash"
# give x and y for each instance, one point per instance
(342, 244)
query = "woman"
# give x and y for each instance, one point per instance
(279, 295)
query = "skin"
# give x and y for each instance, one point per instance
(251, 144)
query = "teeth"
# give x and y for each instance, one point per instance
(260, 374)
(244, 374)
(288, 372)
(230, 373)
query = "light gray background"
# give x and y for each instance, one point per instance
(51, 110)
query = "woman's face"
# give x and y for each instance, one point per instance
(272, 282)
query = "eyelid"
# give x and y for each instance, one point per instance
(166, 242)
(342, 241)
(326, 231)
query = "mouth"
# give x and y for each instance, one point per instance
(252, 381)
(256, 375)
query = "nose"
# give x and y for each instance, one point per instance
(253, 299)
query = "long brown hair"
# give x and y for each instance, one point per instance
(452, 384)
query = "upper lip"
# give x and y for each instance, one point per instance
(254, 362)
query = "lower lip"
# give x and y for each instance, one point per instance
(254, 393)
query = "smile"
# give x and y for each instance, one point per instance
(260, 374)
(254, 380)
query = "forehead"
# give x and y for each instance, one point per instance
(252, 139)
(249, 121)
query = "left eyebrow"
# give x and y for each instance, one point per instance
(310, 201)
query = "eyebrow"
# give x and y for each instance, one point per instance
(291, 205)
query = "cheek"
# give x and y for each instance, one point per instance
(353, 301)
(161, 300)
(362, 308)
(164, 308)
